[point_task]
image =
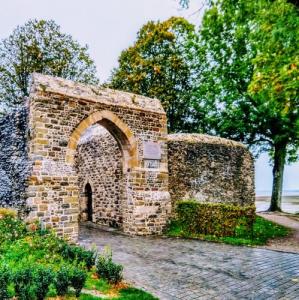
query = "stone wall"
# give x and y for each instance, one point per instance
(209, 169)
(13, 158)
(98, 162)
(201, 167)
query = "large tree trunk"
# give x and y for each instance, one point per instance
(278, 168)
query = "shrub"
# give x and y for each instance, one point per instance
(79, 254)
(88, 256)
(4, 280)
(214, 218)
(44, 277)
(11, 229)
(7, 212)
(107, 269)
(23, 281)
(78, 278)
(62, 281)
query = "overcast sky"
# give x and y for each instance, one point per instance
(108, 27)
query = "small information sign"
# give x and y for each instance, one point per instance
(152, 163)
(152, 151)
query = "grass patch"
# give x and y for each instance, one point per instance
(101, 285)
(88, 297)
(98, 284)
(134, 294)
(71, 296)
(129, 293)
(263, 230)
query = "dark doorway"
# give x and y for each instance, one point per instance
(88, 195)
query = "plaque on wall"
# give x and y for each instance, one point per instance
(151, 151)
(152, 163)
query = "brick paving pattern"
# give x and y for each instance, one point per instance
(189, 269)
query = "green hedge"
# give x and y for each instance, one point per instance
(214, 218)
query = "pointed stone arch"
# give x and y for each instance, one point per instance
(118, 129)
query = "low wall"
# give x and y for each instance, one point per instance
(209, 169)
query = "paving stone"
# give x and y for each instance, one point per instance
(188, 269)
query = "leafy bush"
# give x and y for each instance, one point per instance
(263, 230)
(7, 212)
(62, 281)
(23, 282)
(4, 279)
(214, 218)
(107, 269)
(79, 254)
(44, 277)
(88, 256)
(11, 229)
(78, 278)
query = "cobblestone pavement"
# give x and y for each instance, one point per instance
(189, 269)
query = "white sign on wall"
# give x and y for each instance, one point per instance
(151, 150)
(152, 163)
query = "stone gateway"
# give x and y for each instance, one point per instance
(100, 155)
(60, 112)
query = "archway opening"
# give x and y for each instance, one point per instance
(101, 178)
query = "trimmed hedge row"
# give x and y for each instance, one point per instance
(214, 218)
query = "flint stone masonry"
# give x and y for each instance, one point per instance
(209, 169)
(98, 163)
(60, 112)
(14, 165)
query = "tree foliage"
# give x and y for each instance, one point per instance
(40, 46)
(161, 64)
(274, 83)
(248, 79)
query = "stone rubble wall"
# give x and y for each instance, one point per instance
(209, 169)
(14, 166)
(99, 163)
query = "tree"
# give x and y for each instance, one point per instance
(275, 84)
(40, 46)
(248, 80)
(185, 3)
(160, 64)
